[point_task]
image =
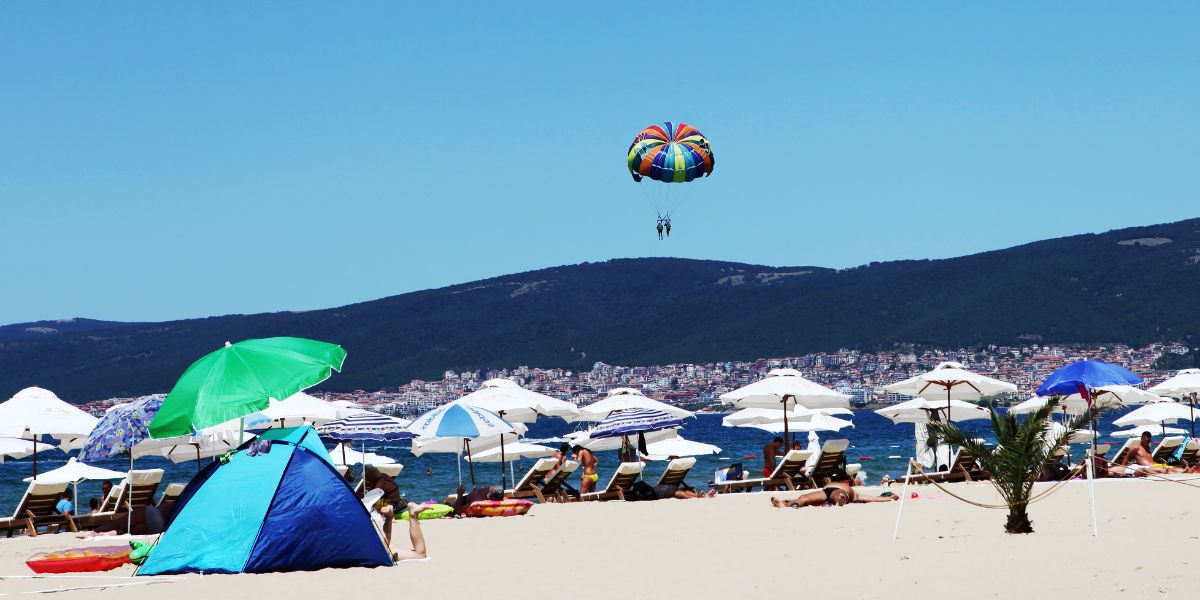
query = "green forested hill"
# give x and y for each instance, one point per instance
(1133, 285)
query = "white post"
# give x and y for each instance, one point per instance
(1092, 491)
(903, 497)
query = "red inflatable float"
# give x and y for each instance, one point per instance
(80, 560)
(509, 507)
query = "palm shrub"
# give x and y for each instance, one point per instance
(1023, 448)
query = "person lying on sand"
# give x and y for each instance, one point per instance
(835, 494)
(414, 535)
(681, 492)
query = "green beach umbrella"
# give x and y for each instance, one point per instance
(241, 379)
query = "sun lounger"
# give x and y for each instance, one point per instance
(964, 467)
(783, 475)
(1165, 452)
(1119, 457)
(677, 471)
(553, 489)
(625, 476)
(529, 485)
(36, 507)
(125, 497)
(167, 501)
(828, 465)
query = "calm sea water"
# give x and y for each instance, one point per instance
(879, 445)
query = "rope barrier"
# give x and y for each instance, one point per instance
(1041, 496)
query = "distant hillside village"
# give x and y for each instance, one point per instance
(861, 375)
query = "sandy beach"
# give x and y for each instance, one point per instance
(739, 546)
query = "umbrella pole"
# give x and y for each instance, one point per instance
(787, 441)
(1091, 459)
(35, 457)
(471, 463)
(129, 496)
(460, 468)
(503, 483)
(197, 458)
(1193, 404)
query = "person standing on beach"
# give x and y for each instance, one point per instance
(770, 454)
(587, 483)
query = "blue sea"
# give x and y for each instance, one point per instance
(875, 442)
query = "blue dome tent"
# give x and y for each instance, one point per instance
(285, 509)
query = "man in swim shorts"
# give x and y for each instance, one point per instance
(834, 494)
(590, 477)
(770, 453)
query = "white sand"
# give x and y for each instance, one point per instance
(738, 546)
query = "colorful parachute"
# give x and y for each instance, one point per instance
(671, 153)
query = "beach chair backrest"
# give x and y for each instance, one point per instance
(114, 499)
(1102, 449)
(391, 469)
(832, 454)
(40, 499)
(145, 486)
(1190, 451)
(791, 465)
(171, 493)
(626, 474)
(555, 482)
(1120, 456)
(677, 470)
(535, 474)
(1167, 448)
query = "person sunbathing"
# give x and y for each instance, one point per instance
(1143, 460)
(415, 537)
(834, 494)
(681, 492)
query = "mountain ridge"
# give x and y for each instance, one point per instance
(1132, 285)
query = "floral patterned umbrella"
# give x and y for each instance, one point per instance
(124, 427)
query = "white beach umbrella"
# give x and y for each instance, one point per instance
(784, 390)
(1158, 413)
(951, 381)
(517, 404)
(922, 410)
(620, 399)
(344, 454)
(1184, 385)
(813, 424)
(678, 446)
(762, 416)
(462, 423)
(74, 472)
(295, 410)
(517, 449)
(15, 448)
(1154, 430)
(34, 412)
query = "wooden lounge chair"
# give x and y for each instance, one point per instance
(529, 485)
(553, 489)
(625, 476)
(125, 497)
(167, 501)
(828, 466)
(36, 507)
(1166, 449)
(787, 470)
(677, 471)
(963, 467)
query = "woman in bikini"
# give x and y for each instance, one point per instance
(834, 494)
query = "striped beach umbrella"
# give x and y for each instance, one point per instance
(634, 420)
(463, 422)
(363, 426)
(366, 426)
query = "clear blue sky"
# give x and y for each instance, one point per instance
(166, 160)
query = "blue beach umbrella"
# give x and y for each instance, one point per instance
(121, 429)
(460, 421)
(1085, 376)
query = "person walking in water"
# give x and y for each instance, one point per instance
(660, 229)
